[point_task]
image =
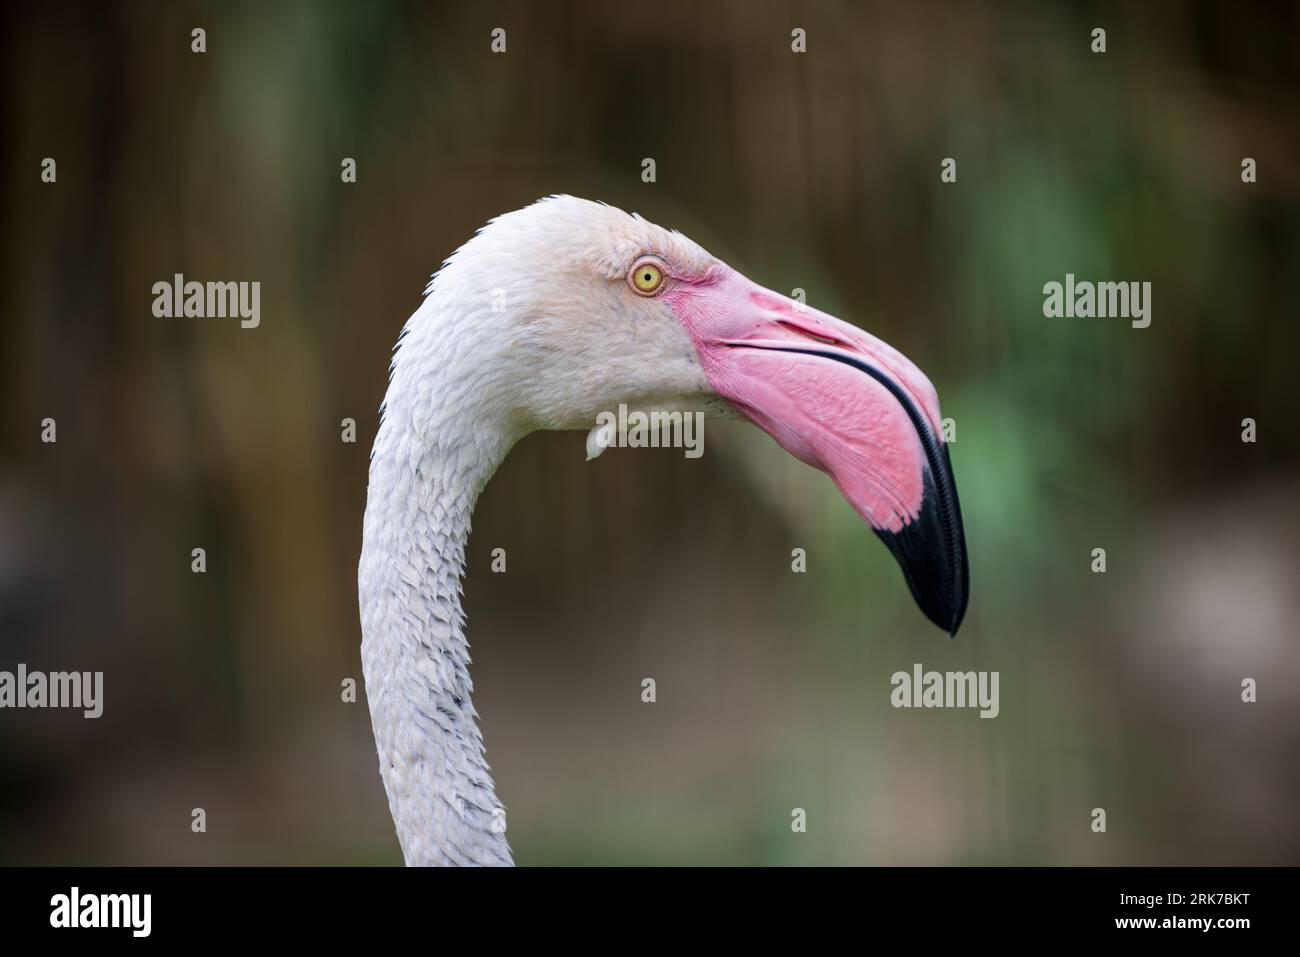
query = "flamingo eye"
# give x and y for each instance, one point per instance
(646, 277)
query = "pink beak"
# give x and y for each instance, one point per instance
(849, 404)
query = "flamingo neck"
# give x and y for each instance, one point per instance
(427, 469)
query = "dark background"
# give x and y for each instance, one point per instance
(818, 171)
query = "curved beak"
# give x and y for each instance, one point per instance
(850, 405)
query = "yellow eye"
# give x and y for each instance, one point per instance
(647, 278)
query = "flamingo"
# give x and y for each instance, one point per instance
(546, 317)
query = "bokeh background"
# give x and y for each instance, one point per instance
(818, 171)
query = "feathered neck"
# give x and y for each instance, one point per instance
(432, 456)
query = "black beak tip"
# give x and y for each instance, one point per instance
(931, 550)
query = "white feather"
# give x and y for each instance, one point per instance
(529, 325)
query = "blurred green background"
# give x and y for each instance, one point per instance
(818, 171)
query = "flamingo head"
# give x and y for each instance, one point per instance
(599, 308)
